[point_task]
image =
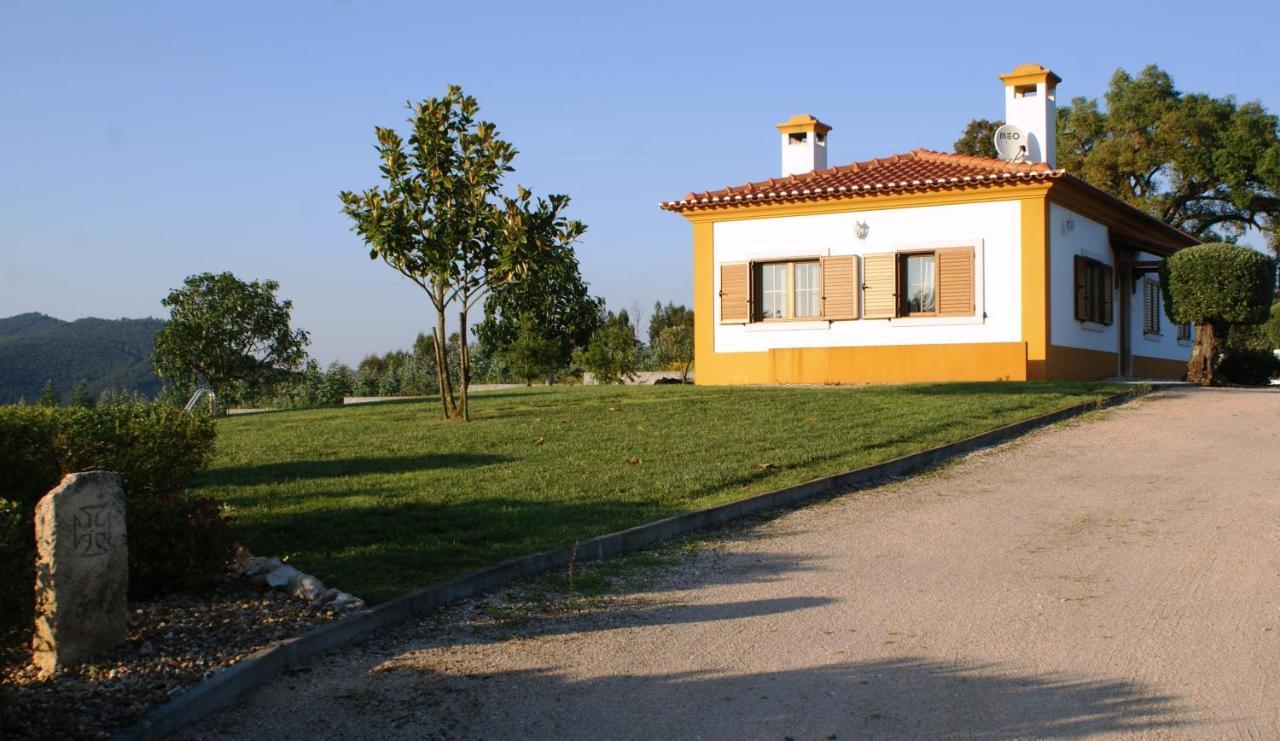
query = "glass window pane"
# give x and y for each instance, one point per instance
(920, 288)
(806, 299)
(773, 279)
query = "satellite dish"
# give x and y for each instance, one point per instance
(1011, 143)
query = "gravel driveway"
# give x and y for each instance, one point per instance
(1115, 576)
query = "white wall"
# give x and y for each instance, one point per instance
(1071, 234)
(1165, 345)
(992, 229)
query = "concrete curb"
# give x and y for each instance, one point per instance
(257, 669)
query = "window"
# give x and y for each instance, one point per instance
(920, 284)
(1150, 307)
(1093, 282)
(789, 290)
(1184, 332)
(773, 291)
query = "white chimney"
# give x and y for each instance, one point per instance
(804, 145)
(1030, 103)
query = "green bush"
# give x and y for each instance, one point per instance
(154, 447)
(17, 567)
(1218, 282)
(1250, 367)
(177, 543)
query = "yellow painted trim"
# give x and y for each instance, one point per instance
(1035, 286)
(704, 298)
(1031, 74)
(803, 122)
(1077, 364)
(875, 364)
(1144, 367)
(869, 203)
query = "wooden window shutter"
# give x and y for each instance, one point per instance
(735, 293)
(955, 281)
(1107, 298)
(840, 287)
(880, 285)
(1082, 288)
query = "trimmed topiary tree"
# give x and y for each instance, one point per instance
(1214, 286)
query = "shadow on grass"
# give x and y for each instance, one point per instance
(897, 697)
(270, 473)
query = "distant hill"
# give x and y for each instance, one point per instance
(106, 353)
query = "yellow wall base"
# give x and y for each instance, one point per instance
(1174, 370)
(1075, 364)
(878, 364)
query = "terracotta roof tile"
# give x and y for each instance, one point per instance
(919, 170)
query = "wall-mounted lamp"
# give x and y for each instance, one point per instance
(1068, 225)
(861, 230)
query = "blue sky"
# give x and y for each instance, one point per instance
(143, 142)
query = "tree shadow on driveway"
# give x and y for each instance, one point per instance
(898, 697)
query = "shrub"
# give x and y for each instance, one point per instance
(154, 447)
(17, 568)
(177, 543)
(1250, 367)
(1215, 286)
(611, 354)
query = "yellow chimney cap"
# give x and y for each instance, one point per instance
(1031, 74)
(803, 122)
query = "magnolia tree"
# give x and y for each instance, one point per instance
(1215, 286)
(442, 221)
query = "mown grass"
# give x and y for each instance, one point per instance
(382, 499)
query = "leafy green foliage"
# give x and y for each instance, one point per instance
(49, 396)
(532, 354)
(156, 448)
(668, 316)
(978, 139)
(106, 354)
(223, 331)
(1209, 166)
(612, 353)
(1218, 282)
(442, 221)
(675, 347)
(177, 543)
(380, 501)
(553, 299)
(17, 567)
(81, 396)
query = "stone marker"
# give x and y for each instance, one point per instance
(82, 570)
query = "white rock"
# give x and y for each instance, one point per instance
(282, 577)
(308, 587)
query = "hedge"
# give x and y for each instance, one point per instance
(154, 447)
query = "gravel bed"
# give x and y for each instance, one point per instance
(174, 642)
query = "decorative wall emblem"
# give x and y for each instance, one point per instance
(91, 534)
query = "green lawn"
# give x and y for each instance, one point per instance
(382, 499)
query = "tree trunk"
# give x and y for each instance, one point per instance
(464, 365)
(442, 367)
(1204, 356)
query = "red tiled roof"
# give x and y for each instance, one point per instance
(919, 170)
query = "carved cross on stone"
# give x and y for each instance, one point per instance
(82, 570)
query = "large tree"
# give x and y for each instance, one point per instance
(1209, 166)
(1215, 286)
(442, 221)
(223, 331)
(553, 299)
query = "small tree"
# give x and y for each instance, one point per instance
(611, 354)
(48, 395)
(531, 355)
(339, 381)
(440, 219)
(1214, 286)
(80, 396)
(675, 345)
(223, 331)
